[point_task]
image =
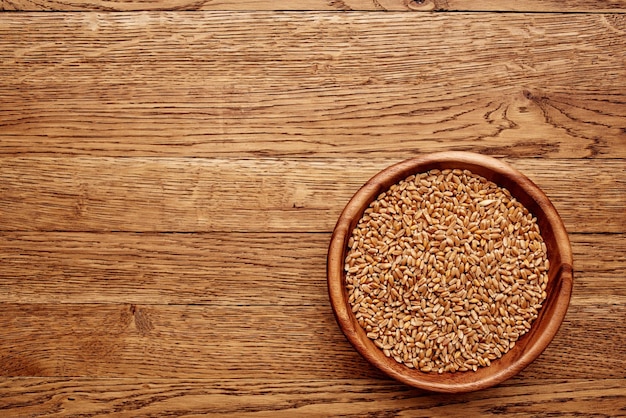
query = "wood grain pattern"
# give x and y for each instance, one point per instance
(127, 340)
(318, 5)
(215, 269)
(323, 84)
(195, 195)
(136, 281)
(220, 268)
(287, 398)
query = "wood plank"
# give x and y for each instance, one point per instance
(217, 84)
(221, 269)
(213, 269)
(273, 397)
(106, 340)
(581, 322)
(318, 5)
(260, 195)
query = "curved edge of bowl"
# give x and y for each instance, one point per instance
(530, 195)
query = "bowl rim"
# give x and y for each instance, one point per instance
(562, 272)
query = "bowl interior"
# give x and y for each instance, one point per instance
(543, 329)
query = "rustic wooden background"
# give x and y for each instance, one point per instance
(171, 171)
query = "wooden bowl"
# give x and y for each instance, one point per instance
(560, 274)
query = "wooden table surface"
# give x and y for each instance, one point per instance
(171, 171)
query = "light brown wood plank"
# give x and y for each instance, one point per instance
(106, 340)
(222, 269)
(214, 269)
(218, 84)
(319, 5)
(260, 195)
(273, 397)
(170, 341)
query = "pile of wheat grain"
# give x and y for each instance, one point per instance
(446, 271)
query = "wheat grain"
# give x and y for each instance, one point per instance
(445, 271)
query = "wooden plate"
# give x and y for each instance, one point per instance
(560, 275)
